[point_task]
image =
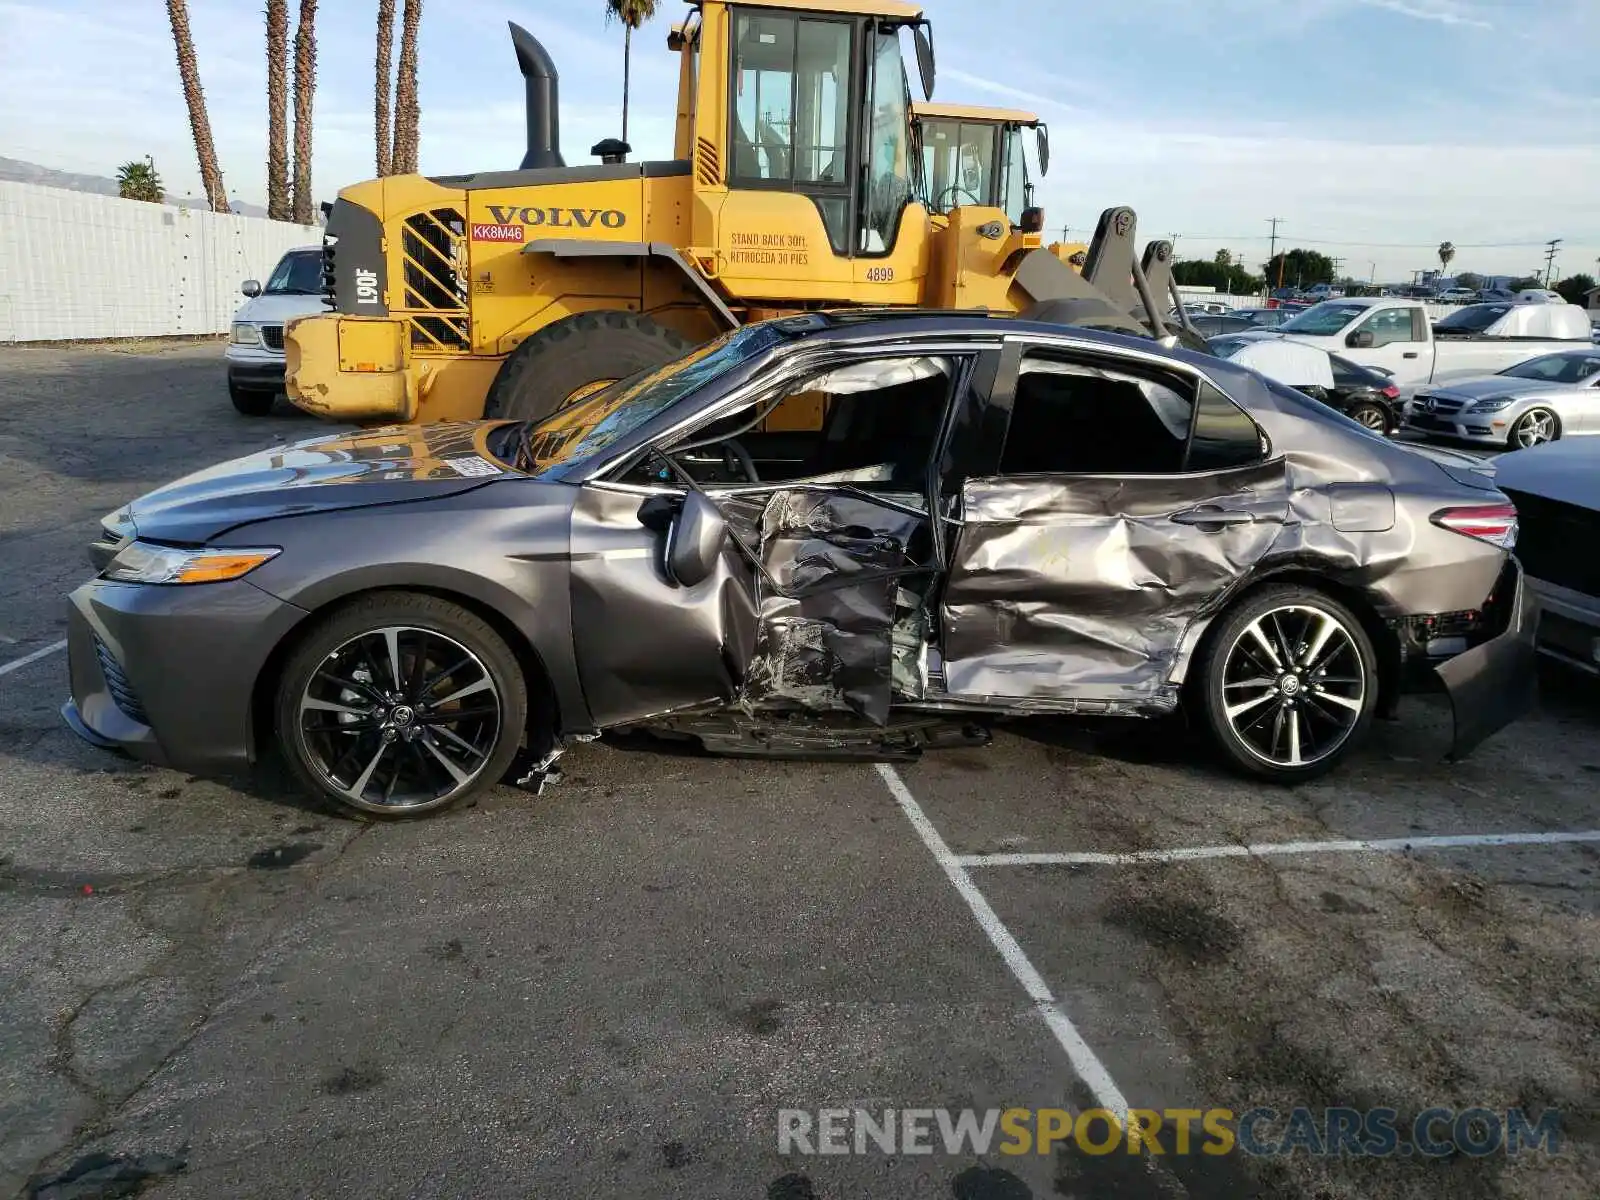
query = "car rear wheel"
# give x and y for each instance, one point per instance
(575, 357)
(1372, 416)
(400, 705)
(250, 402)
(1533, 428)
(1290, 682)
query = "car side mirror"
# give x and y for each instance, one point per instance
(1361, 339)
(695, 540)
(251, 288)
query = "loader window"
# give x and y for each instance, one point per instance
(888, 184)
(958, 163)
(791, 110)
(1015, 196)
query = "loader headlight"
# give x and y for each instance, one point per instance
(245, 334)
(141, 562)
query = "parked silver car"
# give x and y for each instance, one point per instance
(1552, 396)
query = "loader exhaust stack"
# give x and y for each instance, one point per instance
(541, 85)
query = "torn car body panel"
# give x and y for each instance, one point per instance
(832, 565)
(1083, 588)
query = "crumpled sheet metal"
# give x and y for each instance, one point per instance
(1046, 596)
(827, 645)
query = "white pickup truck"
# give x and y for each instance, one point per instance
(1395, 336)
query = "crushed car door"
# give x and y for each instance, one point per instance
(1128, 501)
(820, 598)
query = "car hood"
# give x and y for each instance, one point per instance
(1484, 386)
(375, 466)
(279, 308)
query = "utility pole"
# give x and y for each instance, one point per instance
(1550, 259)
(1272, 253)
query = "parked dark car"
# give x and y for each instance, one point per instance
(1365, 395)
(1209, 325)
(1556, 488)
(998, 517)
(1265, 318)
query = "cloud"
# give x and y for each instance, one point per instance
(1445, 12)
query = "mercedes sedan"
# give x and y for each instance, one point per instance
(827, 535)
(1549, 397)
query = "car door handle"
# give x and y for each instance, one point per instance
(1409, 354)
(1212, 514)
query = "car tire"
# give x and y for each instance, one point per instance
(1372, 416)
(1541, 417)
(250, 402)
(570, 358)
(446, 733)
(1267, 726)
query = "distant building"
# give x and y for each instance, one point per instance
(1593, 296)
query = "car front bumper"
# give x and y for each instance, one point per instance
(1495, 682)
(255, 369)
(167, 674)
(1488, 429)
(1569, 625)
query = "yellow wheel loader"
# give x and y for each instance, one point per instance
(796, 183)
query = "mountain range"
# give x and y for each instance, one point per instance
(15, 170)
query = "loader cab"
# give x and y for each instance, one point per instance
(784, 98)
(974, 155)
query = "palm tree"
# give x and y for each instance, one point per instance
(138, 181)
(632, 14)
(305, 85)
(199, 123)
(381, 118)
(407, 115)
(278, 110)
(1447, 251)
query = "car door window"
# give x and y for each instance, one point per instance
(869, 422)
(1075, 418)
(1389, 325)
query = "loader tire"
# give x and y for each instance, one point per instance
(570, 358)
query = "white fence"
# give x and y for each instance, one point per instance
(77, 265)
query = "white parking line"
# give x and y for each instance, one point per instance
(1263, 849)
(44, 652)
(1084, 1060)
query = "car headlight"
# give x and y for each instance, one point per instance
(245, 334)
(1492, 404)
(141, 562)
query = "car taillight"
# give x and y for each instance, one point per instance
(1495, 523)
(1392, 392)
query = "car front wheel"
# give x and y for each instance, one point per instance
(400, 705)
(1533, 428)
(1289, 682)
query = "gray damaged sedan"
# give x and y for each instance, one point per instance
(1538, 401)
(980, 518)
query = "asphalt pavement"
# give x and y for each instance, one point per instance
(632, 984)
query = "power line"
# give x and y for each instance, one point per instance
(1314, 241)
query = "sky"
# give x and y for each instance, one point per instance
(1375, 129)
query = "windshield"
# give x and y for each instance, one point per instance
(1557, 368)
(298, 274)
(1473, 319)
(1325, 319)
(597, 422)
